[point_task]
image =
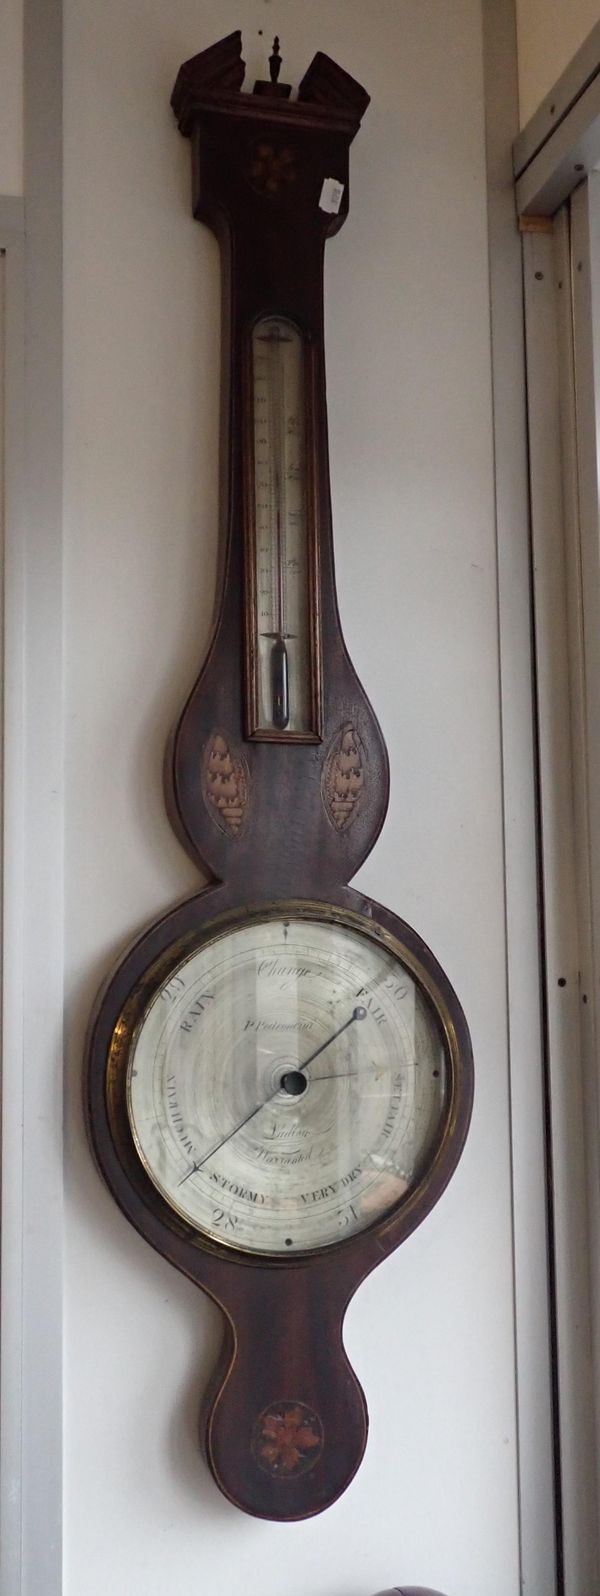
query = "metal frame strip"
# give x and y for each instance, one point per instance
(12, 376)
(573, 82)
(556, 598)
(560, 145)
(536, 1460)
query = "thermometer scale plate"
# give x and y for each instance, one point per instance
(282, 621)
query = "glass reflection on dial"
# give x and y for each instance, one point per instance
(288, 1084)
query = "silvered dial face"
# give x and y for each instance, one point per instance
(288, 1084)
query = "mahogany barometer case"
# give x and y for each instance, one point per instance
(279, 1074)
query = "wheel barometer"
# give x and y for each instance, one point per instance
(279, 1073)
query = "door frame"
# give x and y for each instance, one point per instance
(557, 190)
(31, 1487)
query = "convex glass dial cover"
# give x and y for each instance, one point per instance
(288, 1084)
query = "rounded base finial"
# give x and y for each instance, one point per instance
(409, 1590)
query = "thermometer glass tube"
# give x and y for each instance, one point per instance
(281, 646)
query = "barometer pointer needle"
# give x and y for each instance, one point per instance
(357, 1014)
(339, 1075)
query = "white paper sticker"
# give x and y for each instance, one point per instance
(331, 195)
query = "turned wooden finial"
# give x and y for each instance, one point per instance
(272, 87)
(275, 60)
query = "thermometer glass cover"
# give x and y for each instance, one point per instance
(282, 621)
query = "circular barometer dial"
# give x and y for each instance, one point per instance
(289, 1084)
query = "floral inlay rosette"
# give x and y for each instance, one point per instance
(287, 1439)
(272, 168)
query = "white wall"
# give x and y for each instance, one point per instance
(549, 34)
(11, 96)
(432, 1332)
